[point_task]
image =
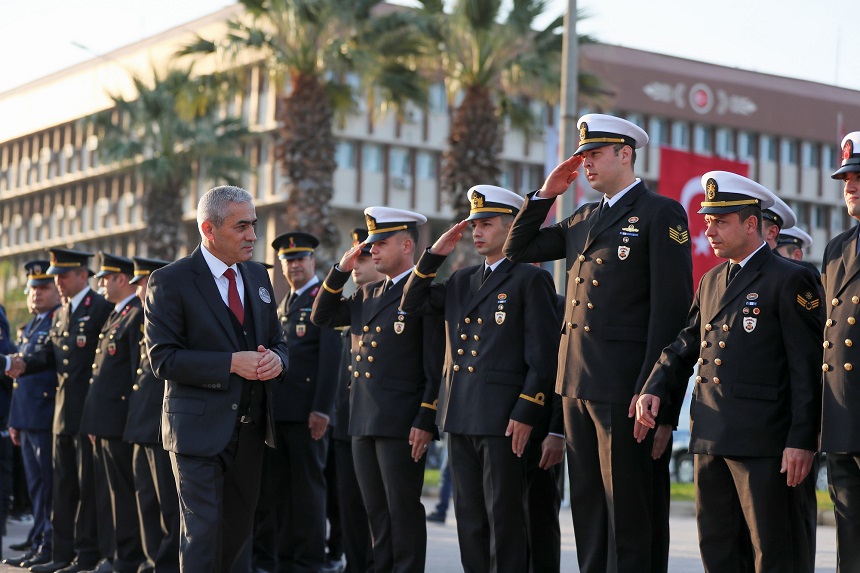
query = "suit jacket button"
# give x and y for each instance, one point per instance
(474, 353)
(575, 302)
(65, 377)
(460, 351)
(716, 380)
(378, 329)
(577, 280)
(848, 342)
(851, 320)
(136, 387)
(855, 299)
(480, 321)
(14, 384)
(456, 368)
(581, 258)
(705, 344)
(374, 344)
(366, 329)
(725, 328)
(467, 320)
(835, 302)
(358, 358)
(848, 366)
(830, 322)
(591, 306)
(825, 367)
(477, 338)
(599, 261)
(65, 348)
(367, 374)
(586, 328)
(471, 369)
(722, 343)
(98, 350)
(95, 365)
(570, 325)
(140, 370)
(718, 361)
(708, 327)
(369, 359)
(234, 406)
(357, 375)
(827, 344)
(349, 368)
(361, 343)
(101, 335)
(701, 360)
(122, 397)
(699, 379)
(463, 337)
(65, 361)
(44, 394)
(594, 282)
(91, 380)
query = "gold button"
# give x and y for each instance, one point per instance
(460, 351)
(480, 321)
(708, 327)
(716, 380)
(825, 367)
(122, 397)
(848, 342)
(456, 368)
(471, 369)
(570, 325)
(349, 368)
(98, 350)
(591, 306)
(356, 374)
(835, 302)
(827, 344)
(725, 328)
(575, 302)
(599, 261)
(136, 387)
(705, 344)
(45, 395)
(851, 320)
(477, 337)
(594, 282)
(463, 337)
(581, 258)
(378, 329)
(361, 343)
(848, 366)
(698, 378)
(722, 344)
(66, 333)
(94, 365)
(358, 358)
(65, 348)
(370, 358)
(577, 280)
(101, 335)
(701, 360)
(140, 371)
(14, 385)
(718, 361)
(587, 328)
(367, 374)
(467, 320)
(366, 329)
(474, 353)
(374, 344)
(65, 361)
(855, 299)
(830, 322)
(91, 380)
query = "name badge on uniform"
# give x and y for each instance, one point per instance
(264, 295)
(301, 329)
(623, 252)
(112, 348)
(399, 324)
(82, 340)
(749, 323)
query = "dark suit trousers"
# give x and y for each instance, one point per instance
(116, 456)
(733, 492)
(300, 498)
(157, 506)
(355, 530)
(542, 502)
(334, 543)
(610, 487)
(660, 511)
(73, 519)
(391, 483)
(217, 497)
(489, 484)
(843, 471)
(36, 455)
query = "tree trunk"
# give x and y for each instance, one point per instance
(162, 212)
(306, 152)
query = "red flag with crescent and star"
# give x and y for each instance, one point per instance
(680, 178)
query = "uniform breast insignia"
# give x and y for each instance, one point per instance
(82, 340)
(301, 329)
(112, 348)
(752, 296)
(679, 234)
(629, 231)
(264, 295)
(633, 220)
(623, 252)
(501, 315)
(315, 291)
(399, 324)
(749, 323)
(806, 301)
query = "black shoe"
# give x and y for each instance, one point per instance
(52, 567)
(332, 566)
(23, 546)
(37, 559)
(20, 559)
(436, 517)
(103, 566)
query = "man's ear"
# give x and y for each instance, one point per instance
(207, 228)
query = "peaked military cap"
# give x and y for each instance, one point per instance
(144, 267)
(850, 155)
(487, 201)
(727, 192)
(794, 236)
(112, 264)
(65, 260)
(295, 245)
(383, 222)
(37, 273)
(598, 130)
(780, 214)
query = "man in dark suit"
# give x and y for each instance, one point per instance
(213, 335)
(106, 410)
(303, 405)
(70, 350)
(840, 432)
(32, 412)
(154, 487)
(500, 359)
(396, 372)
(355, 530)
(755, 330)
(628, 285)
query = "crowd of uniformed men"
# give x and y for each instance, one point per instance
(142, 410)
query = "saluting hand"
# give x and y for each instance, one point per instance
(347, 261)
(445, 244)
(561, 177)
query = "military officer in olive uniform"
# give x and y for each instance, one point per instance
(70, 349)
(106, 408)
(32, 410)
(628, 286)
(755, 330)
(154, 486)
(500, 359)
(396, 374)
(840, 425)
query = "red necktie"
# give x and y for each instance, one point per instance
(233, 296)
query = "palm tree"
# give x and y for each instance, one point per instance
(171, 131)
(497, 66)
(314, 44)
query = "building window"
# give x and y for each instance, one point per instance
(507, 177)
(788, 151)
(702, 139)
(425, 165)
(437, 98)
(657, 131)
(725, 143)
(820, 216)
(828, 157)
(680, 135)
(768, 148)
(345, 155)
(398, 161)
(745, 145)
(809, 155)
(372, 158)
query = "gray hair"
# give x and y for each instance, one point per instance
(213, 205)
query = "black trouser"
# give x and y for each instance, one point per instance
(73, 519)
(355, 529)
(157, 506)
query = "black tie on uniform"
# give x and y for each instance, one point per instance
(292, 298)
(604, 208)
(487, 272)
(733, 272)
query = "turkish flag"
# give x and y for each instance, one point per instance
(681, 178)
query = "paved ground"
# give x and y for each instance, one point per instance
(443, 555)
